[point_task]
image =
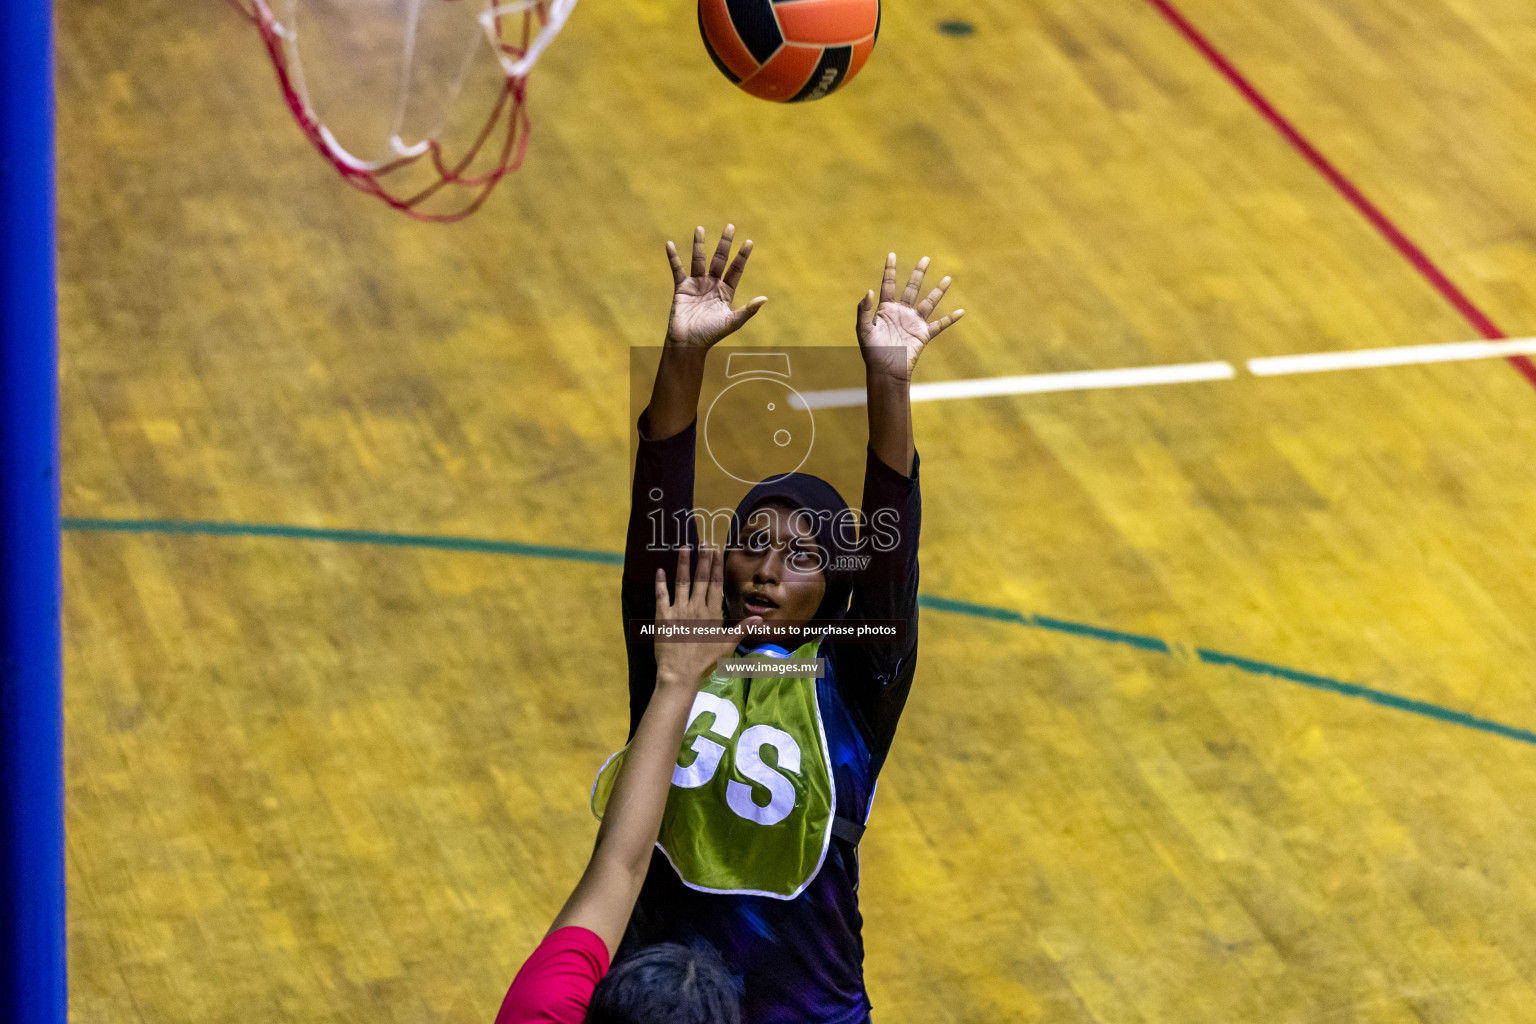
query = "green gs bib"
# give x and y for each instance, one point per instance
(751, 806)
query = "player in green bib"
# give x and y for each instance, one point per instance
(716, 834)
(757, 853)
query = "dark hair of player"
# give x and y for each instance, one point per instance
(666, 984)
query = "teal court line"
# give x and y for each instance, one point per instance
(939, 604)
(399, 540)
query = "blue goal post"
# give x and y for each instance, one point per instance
(32, 957)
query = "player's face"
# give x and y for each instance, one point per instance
(775, 575)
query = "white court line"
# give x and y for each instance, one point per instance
(1181, 373)
(1033, 384)
(1360, 359)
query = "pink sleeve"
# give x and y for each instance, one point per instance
(556, 982)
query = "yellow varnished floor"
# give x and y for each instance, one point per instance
(315, 781)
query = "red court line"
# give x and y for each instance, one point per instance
(1369, 210)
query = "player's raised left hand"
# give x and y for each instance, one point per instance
(701, 297)
(893, 333)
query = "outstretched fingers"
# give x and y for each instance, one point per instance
(915, 282)
(935, 329)
(698, 251)
(866, 316)
(683, 586)
(738, 265)
(663, 601)
(928, 305)
(888, 280)
(715, 609)
(722, 251)
(747, 312)
(714, 591)
(678, 274)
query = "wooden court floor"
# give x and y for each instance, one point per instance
(1224, 708)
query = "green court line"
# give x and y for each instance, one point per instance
(1113, 636)
(1385, 699)
(980, 611)
(938, 604)
(401, 540)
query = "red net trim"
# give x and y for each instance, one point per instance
(507, 123)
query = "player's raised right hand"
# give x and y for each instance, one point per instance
(701, 302)
(893, 332)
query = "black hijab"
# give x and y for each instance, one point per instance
(832, 520)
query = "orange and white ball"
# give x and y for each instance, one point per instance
(789, 51)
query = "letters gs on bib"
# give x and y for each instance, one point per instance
(748, 759)
(789, 51)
